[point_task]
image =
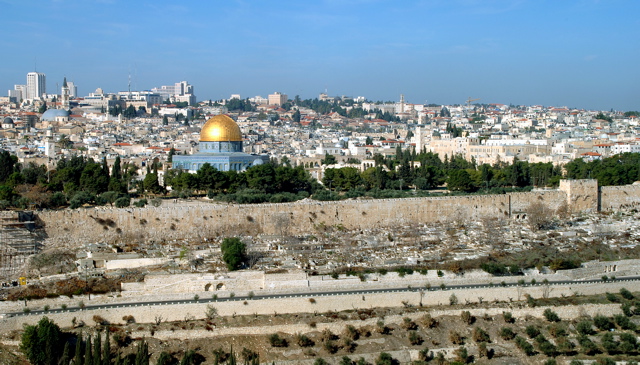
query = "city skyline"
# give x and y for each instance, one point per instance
(576, 53)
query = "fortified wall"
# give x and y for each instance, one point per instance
(208, 220)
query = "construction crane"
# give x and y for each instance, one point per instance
(469, 100)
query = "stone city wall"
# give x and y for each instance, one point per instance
(207, 220)
(617, 197)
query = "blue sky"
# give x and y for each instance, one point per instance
(576, 53)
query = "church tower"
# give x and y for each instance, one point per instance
(65, 95)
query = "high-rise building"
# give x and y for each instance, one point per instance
(179, 92)
(73, 90)
(277, 98)
(36, 85)
(18, 93)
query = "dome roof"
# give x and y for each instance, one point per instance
(220, 128)
(51, 114)
(7, 120)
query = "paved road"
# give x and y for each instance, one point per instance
(314, 294)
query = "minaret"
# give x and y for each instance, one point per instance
(65, 95)
(401, 103)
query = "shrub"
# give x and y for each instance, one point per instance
(612, 297)
(351, 332)
(330, 346)
(609, 344)
(415, 338)
(525, 346)
(532, 331)
(456, 338)
(557, 330)
(211, 312)
(624, 322)
(626, 294)
(382, 328)
(480, 335)
(565, 346)
(385, 359)
(453, 299)
(467, 317)
(276, 341)
(507, 333)
(408, 324)
(100, 320)
(304, 341)
(587, 346)
(545, 346)
(425, 355)
(462, 355)
(551, 316)
(508, 317)
(123, 202)
(585, 328)
(128, 319)
(429, 321)
(327, 335)
(603, 323)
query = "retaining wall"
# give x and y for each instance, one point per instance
(178, 312)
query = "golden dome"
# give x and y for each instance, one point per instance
(220, 128)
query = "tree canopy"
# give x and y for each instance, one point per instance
(234, 252)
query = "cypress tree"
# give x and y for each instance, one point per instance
(88, 359)
(77, 356)
(116, 171)
(105, 167)
(66, 357)
(106, 351)
(142, 355)
(97, 351)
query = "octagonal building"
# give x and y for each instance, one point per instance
(221, 146)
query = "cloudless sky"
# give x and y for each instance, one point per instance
(575, 53)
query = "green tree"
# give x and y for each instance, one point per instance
(106, 350)
(41, 343)
(88, 357)
(7, 165)
(165, 120)
(150, 183)
(329, 159)
(234, 252)
(66, 356)
(142, 354)
(164, 359)
(460, 180)
(97, 351)
(77, 357)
